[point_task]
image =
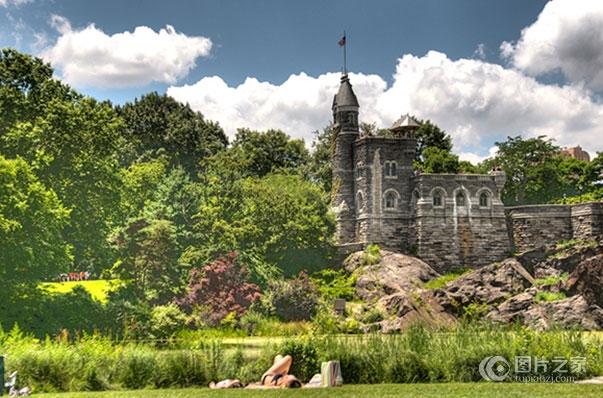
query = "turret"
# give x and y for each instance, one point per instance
(345, 107)
(345, 118)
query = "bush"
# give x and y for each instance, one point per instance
(295, 299)
(221, 288)
(371, 255)
(166, 320)
(334, 284)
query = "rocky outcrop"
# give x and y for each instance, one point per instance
(574, 311)
(587, 280)
(491, 284)
(394, 274)
(507, 291)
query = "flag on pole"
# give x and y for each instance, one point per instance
(341, 41)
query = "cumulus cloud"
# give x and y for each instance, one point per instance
(89, 57)
(476, 102)
(6, 3)
(566, 37)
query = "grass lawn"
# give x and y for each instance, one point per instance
(452, 390)
(98, 289)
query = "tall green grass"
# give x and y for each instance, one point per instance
(417, 355)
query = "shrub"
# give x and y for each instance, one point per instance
(371, 255)
(166, 320)
(334, 284)
(295, 299)
(220, 288)
(548, 296)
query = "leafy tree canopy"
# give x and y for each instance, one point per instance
(158, 124)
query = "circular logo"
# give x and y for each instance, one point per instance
(495, 368)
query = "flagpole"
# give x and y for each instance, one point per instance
(345, 44)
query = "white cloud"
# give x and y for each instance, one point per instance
(6, 3)
(298, 106)
(477, 102)
(91, 58)
(567, 36)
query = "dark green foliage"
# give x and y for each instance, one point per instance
(157, 124)
(149, 257)
(431, 136)
(437, 160)
(294, 299)
(269, 151)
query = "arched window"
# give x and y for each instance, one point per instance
(484, 199)
(460, 199)
(390, 199)
(391, 169)
(437, 199)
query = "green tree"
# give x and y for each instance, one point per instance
(429, 135)
(319, 166)
(31, 246)
(149, 258)
(71, 143)
(277, 219)
(269, 151)
(158, 124)
(437, 160)
(531, 166)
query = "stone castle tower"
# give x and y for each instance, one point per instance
(452, 220)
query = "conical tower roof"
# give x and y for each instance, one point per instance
(405, 122)
(345, 96)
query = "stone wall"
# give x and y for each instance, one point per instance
(454, 235)
(537, 225)
(587, 220)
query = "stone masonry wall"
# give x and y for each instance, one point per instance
(587, 220)
(537, 225)
(453, 235)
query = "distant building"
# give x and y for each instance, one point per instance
(576, 153)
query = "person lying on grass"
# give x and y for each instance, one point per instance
(278, 374)
(276, 377)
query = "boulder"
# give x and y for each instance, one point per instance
(587, 280)
(409, 308)
(491, 284)
(570, 312)
(512, 310)
(394, 273)
(563, 260)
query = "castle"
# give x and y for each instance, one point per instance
(448, 220)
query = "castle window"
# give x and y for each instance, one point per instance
(484, 199)
(391, 169)
(391, 199)
(460, 199)
(437, 199)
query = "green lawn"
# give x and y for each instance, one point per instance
(98, 289)
(451, 390)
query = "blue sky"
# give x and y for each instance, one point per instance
(268, 64)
